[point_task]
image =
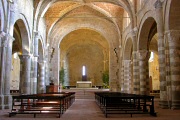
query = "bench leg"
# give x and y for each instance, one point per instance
(34, 115)
(152, 112)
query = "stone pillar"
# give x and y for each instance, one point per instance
(25, 61)
(144, 71)
(8, 66)
(174, 53)
(35, 64)
(113, 80)
(3, 45)
(127, 76)
(136, 82)
(122, 77)
(34, 75)
(41, 78)
(161, 54)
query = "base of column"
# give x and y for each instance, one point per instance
(1, 102)
(7, 101)
(175, 104)
(164, 104)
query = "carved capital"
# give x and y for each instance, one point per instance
(36, 34)
(127, 63)
(173, 36)
(5, 39)
(143, 55)
(158, 4)
(23, 57)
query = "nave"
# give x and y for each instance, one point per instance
(87, 109)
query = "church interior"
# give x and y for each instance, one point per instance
(124, 46)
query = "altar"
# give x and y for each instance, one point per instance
(83, 84)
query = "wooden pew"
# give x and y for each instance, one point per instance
(122, 103)
(47, 103)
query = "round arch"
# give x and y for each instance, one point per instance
(172, 19)
(41, 50)
(1, 18)
(145, 33)
(24, 36)
(128, 49)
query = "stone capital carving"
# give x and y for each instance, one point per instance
(25, 56)
(143, 55)
(134, 31)
(127, 62)
(173, 36)
(36, 34)
(5, 39)
(158, 4)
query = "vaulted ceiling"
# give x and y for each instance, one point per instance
(60, 14)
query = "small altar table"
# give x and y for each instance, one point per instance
(83, 84)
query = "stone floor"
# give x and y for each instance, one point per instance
(87, 109)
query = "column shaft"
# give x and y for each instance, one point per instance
(174, 53)
(7, 96)
(161, 53)
(122, 77)
(41, 78)
(144, 72)
(127, 76)
(3, 46)
(136, 80)
(25, 74)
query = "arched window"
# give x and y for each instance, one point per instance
(83, 70)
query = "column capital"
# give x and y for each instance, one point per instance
(134, 31)
(25, 56)
(5, 39)
(2, 34)
(143, 55)
(42, 61)
(173, 36)
(37, 34)
(10, 1)
(126, 62)
(158, 4)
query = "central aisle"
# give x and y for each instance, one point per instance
(83, 109)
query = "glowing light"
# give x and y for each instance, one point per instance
(84, 71)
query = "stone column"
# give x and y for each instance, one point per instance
(122, 77)
(174, 53)
(8, 66)
(34, 75)
(41, 78)
(113, 82)
(144, 71)
(161, 54)
(3, 45)
(127, 76)
(136, 82)
(25, 61)
(35, 63)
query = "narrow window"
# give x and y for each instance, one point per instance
(83, 70)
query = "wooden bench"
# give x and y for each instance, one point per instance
(50, 103)
(122, 103)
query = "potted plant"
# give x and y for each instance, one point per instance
(105, 78)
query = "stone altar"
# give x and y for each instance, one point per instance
(83, 84)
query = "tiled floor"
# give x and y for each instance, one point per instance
(87, 109)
